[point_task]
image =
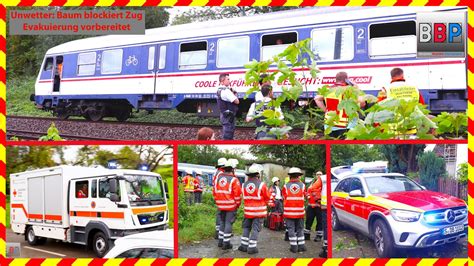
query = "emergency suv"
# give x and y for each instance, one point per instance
(86, 205)
(397, 212)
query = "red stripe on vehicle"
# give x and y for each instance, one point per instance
(20, 206)
(53, 217)
(35, 216)
(242, 72)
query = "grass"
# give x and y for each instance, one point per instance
(7, 212)
(18, 97)
(197, 222)
(166, 173)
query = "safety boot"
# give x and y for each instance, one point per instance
(227, 245)
(216, 236)
(252, 251)
(294, 248)
(318, 238)
(286, 236)
(301, 248)
(242, 248)
(220, 243)
(323, 253)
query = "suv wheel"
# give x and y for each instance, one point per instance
(383, 240)
(336, 224)
(100, 244)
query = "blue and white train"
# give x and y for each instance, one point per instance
(178, 66)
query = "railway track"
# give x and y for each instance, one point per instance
(31, 128)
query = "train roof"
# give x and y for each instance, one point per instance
(269, 22)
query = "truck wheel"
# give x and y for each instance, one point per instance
(31, 237)
(383, 240)
(100, 244)
(336, 225)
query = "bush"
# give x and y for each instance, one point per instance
(432, 168)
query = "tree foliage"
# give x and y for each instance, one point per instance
(349, 154)
(26, 52)
(311, 158)
(432, 168)
(207, 155)
(462, 173)
(214, 13)
(402, 158)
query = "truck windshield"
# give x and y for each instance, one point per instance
(387, 184)
(144, 190)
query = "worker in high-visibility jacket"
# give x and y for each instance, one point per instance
(256, 197)
(276, 201)
(227, 195)
(188, 182)
(293, 209)
(313, 209)
(219, 169)
(330, 103)
(198, 187)
(324, 223)
(401, 90)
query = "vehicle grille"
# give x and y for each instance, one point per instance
(438, 217)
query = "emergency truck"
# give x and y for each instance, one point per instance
(86, 205)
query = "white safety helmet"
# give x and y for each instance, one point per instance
(221, 162)
(189, 172)
(275, 178)
(228, 163)
(295, 170)
(198, 172)
(234, 162)
(253, 169)
(319, 173)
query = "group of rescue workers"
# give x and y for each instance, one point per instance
(288, 200)
(228, 102)
(193, 187)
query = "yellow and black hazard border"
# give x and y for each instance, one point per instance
(221, 262)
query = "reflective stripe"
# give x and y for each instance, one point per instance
(301, 242)
(252, 245)
(293, 213)
(251, 197)
(301, 238)
(295, 198)
(256, 213)
(292, 238)
(225, 201)
(244, 238)
(226, 207)
(293, 243)
(255, 208)
(252, 241)
(223, 191)
(294, 208)
(227, 235)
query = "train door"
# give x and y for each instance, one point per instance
(58, 73)
(156, 64)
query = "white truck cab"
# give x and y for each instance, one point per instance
(85, 205)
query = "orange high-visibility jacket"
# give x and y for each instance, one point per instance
(227, 192)
(273, 194)
(332, 102)
(256, 196)
(293, 199)
(314, 193)
(188, 182)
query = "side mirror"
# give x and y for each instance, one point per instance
(356, 193)
(166, 190)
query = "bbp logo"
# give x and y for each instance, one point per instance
(441, 34)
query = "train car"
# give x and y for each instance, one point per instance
(207, 172)
(178, 66)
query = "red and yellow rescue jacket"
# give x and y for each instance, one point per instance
(314, 193)
(273, 194)
(227, 192)
(293, 199)
(255, 194)
(188, 182)
(332, 101)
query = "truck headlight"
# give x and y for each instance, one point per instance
(405, 216)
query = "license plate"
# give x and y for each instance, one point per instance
(453, 229)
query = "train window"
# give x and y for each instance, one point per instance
(193, 55)
(86, 64)
(112, 61)
(273, 44)
(48, 65)
(392, 39)
(233, 52)
(333, 44)
(151, 58)
(161, 64)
